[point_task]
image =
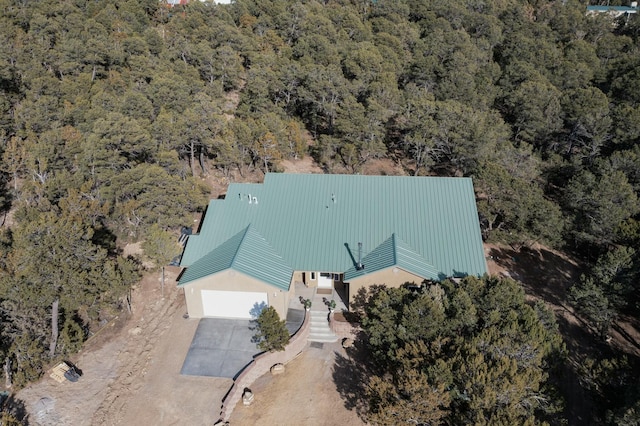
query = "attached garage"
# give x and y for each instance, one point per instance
(232, 304)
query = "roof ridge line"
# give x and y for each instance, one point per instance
(235, 255)
(395, 248)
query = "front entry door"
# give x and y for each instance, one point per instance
(325, 280)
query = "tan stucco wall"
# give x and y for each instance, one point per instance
(297, 277)
(391, 277)
(231, 280)
(305, 278)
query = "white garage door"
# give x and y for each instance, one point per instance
(233, 304)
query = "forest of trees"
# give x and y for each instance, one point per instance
(472, 352)
(112, 111)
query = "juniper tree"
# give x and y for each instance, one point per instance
(272, 332)
(473, 352)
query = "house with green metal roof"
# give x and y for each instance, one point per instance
(614, 11)
(338, 233)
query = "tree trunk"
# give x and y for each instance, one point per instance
(129, 308)
(193, 159)
(54, 327)
(201, 160)
(7, 373)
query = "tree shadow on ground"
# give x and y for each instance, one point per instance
(578, 401)
(15, 409)
(547, 275)
(544, 274)
(351, 375)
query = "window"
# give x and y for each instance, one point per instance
(313, 276)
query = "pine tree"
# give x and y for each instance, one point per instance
(272, 331)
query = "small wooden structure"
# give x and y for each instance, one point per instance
(57, 372)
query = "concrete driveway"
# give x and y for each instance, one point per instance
(223, 347)
(220, 348)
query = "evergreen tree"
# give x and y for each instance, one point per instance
(473, 352)
(272, 332)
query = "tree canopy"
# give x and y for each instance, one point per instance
(473, 352)
(112, 113)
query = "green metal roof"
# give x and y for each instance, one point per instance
(316, 221)
(394, 252)
(601, 8)
(247, 252)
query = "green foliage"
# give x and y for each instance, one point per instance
(409, 396)
(604, 293)
(56, 270)
(160, 246)
(628, 415)
(111, 112)
(272, 334)
(514, 210)
(616, 384)
(473, 352)
(148, 194)
(535, 110)
(29, 359)
(600, 203)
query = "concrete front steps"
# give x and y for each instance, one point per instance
(319, 330)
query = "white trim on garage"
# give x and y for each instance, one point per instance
(232, 304)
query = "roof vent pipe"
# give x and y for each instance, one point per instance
(255, 200)
(359, 266)
(249, 198)
(333, 198)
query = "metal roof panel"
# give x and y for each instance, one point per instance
(313, 221)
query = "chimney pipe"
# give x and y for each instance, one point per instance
(359, 266)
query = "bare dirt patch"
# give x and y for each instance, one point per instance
(302, 165)
(218, 180)
(383, 167)
(309, 392)
(131, 370)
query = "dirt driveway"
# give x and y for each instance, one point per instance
(132, 371)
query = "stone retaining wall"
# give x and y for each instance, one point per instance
(261, 365)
